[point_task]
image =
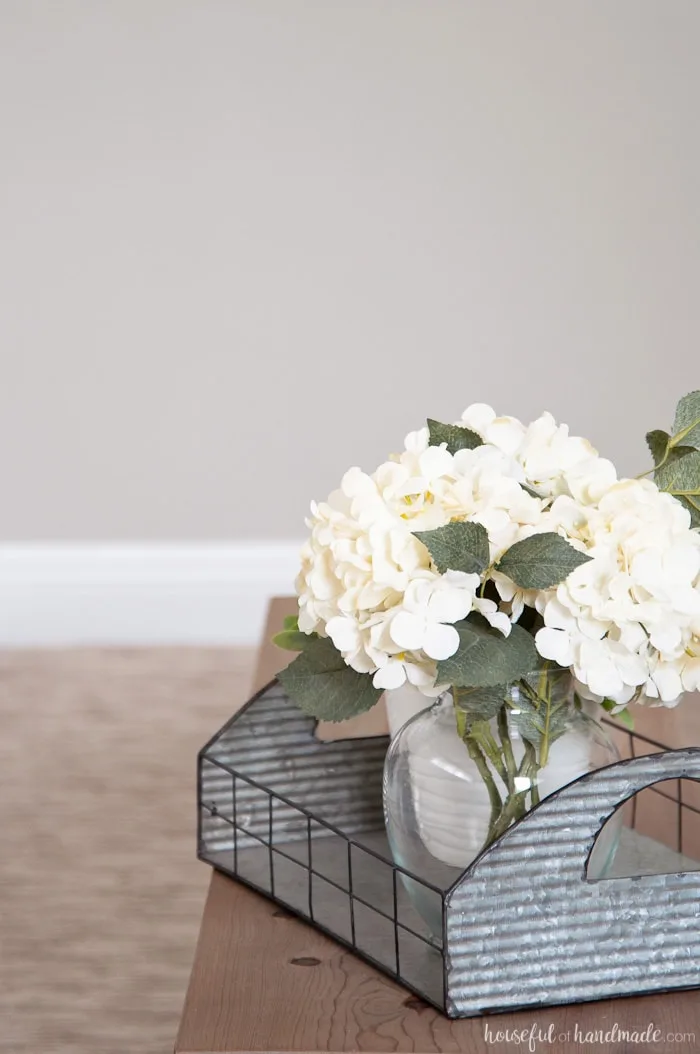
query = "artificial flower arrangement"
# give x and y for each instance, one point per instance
(493, 560)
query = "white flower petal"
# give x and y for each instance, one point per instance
(506, 433)
(392, 675)
(691, 675)
(420, 675)
(668, 682)
(667, 637)
(506, 588)
(440, 641)
(408, 630)
(307, 620)
(360, 661)
(449, 605)
(417, 442)
(554, 644)
(556, 616)
(435, 461)
(344, 633)
(498, 619)
(478, 416)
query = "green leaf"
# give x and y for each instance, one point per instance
(457, 547)
(686, 435)
(693, 507)
(547, 677)
(322, 685)
(527, 721)
(665, 477)
(541, 561)
(624, 716)
(680, 477)
(462, 723)
(532, 722)
(686, 427)
(291, 640)
(476, 728)
(658, 442)
(456, 437)
(485, 658)
(479, 704)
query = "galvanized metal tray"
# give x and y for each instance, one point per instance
(302, 822)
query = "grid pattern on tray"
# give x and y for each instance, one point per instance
(339, 883)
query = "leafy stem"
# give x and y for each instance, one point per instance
(507, 747)
(485, 773)
(544, 705)
(544, 742)
(515, 805)
(532, 769)
(666, 448)
(678, 438)
(484, 738)
(529, 691)
(664, 459)
(485, 579)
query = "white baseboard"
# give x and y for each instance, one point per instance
(140, 594)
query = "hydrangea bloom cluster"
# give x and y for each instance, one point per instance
(626, 622)
(367, 581)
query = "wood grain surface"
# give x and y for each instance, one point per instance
(265, 981)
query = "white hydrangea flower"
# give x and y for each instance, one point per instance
(627, 621)
(368, 583)
(553, 462)
(429, 608)
(505, 433)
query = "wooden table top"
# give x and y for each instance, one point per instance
(263, 980)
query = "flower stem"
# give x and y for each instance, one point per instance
(485, 773)
(483, 748)
(504, 735)
(515, 805)
(544, 691)
(671, 443)
(490, 747)
(513, 809)
(531, 769)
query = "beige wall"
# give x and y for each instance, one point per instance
(246, 244)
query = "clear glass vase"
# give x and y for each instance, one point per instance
(452, 788)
